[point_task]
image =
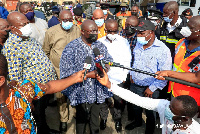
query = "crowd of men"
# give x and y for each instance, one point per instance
(39, 58)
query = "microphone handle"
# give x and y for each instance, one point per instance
(153, 74)
(84, 75)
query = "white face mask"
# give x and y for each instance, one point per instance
(185, 31)
(26, 30)
(111, 37)
(154, 22)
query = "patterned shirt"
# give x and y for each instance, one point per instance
(18, 103)
(27, 60)
(72, 60)
(155, 58)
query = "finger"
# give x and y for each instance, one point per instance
(151, 95)
(157, 72)
(83, 71)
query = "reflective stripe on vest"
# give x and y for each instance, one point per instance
(168, 39)
(181, 65)
(123, 23)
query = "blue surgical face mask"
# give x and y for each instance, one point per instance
(105, 12)
(199, 13)
(167, 19)
(123, 9)
(67, 25)
(168, 114)
(99, 22)
(142, 40)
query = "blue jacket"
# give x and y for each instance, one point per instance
(53, 21)
(3, 12)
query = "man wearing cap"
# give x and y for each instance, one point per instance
(155, 16)
(78, 19)
(54, 20)
(187, 13)
(122, 15)
(151, 55)
(107, 14)
(56, 38)
(170, 31)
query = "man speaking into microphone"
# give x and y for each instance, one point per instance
(88, 97)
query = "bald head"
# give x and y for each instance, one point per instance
(88, 24)
(132, 20)
(111, 23)
(195, 21)
(25, 8)
(16, 17)
(98, 14)
(172, 6)
(65, 14)
(3, 24)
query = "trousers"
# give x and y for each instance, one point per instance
(87, 113)
(150, 122)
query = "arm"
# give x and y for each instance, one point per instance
(190, 77)
(59, 85)
(47, 45)
(148, 103)
(164, 63)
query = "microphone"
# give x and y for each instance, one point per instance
(87, 65)
(153, 74)
(99, 62)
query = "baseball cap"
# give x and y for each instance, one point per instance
(187, 12)
(145, 25)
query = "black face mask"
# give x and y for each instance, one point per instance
(134, 13)
(92, 38)
(129, 30)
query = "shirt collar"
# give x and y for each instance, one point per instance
(187, 43)
(16, 37)
(178, 22)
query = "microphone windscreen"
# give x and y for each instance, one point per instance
(96, 52)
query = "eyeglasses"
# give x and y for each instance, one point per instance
(110, 31)
(92, 32)
(67, 20)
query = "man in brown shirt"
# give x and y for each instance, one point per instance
(56, 38)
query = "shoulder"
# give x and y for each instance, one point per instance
(162, 45)
(40, 20)
(54, 29)
(102, 39)
(73, 44)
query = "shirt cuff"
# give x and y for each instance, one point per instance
(152, 88)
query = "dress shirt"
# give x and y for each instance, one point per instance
(188, 52)
(158, 105)
(155, 58)
(55, 41)
(72, 60)
(27, 60)
(171, 28)
(120, 51)
(38, 30)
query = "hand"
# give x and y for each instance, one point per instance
(104, 80)
(148, 93)
(161, 74)
(78, 76)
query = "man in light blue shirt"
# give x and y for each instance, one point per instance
(152, 55)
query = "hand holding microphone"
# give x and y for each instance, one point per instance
(87, 66)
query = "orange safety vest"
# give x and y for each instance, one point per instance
(101, 31)
(181, 65)
(127, 13)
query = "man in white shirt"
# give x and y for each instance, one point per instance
(39, 26)
(175, 116)
(119, 48)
